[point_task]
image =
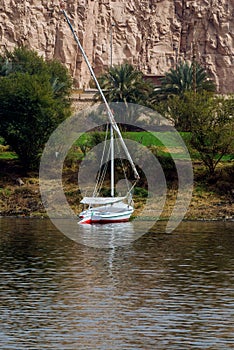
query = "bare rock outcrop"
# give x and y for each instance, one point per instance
(153, 35)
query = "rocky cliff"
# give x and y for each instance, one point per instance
(151, 34)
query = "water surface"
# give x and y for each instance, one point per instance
(162, 291)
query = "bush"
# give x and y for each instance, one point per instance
(33, 102)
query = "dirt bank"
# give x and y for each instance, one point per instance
(23, 198)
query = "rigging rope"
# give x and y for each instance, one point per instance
(102, 174)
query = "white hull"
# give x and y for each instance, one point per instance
(106, 214)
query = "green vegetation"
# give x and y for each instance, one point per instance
(8, 155)
(209, 119)
(5, 151)
(33, 101)
(123, 83)
(185, 77)
(149, 139)
(212, 129)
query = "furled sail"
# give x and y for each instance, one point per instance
(101, 200)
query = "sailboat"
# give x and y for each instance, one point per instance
(106, 209)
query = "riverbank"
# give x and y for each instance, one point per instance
(20, 196)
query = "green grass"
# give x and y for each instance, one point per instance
(166, 143)
(145, 138)
(160, 139)
(8, 155)
(82, 139)
(168, 139)
(5, 153)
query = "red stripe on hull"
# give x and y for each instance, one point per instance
(90, 221)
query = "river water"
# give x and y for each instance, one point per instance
(162, 291)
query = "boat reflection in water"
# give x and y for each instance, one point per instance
(108, 235)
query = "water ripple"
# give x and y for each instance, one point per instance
(162, 292)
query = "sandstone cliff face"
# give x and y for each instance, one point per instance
(151, 34)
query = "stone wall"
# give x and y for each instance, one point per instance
(151, 34)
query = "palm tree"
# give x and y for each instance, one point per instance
(172, 96)
(185, 77)
(124, 83)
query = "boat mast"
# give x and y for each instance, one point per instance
(109, 112)
(112, 162)
(112, 136)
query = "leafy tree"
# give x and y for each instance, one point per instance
(34, 99)
(212, 128)
(171, 97)
(211, 124)
(177, 111)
